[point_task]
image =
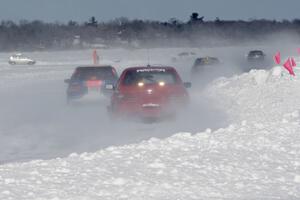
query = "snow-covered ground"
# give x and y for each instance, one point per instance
(240, 140)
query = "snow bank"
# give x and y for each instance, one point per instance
(257, 157)
(259, 95)
(245, 161)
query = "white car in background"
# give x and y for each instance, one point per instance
(20, 59)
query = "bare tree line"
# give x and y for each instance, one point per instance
(39, 35)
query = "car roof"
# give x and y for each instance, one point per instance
(93, 66)
(18, 54)
(209, 57)
(256, 51)
(149, 67)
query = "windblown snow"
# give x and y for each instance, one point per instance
(256, 157)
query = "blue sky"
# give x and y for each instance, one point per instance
(104, 10)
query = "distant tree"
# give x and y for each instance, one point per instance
(121, 21)
(195, 18)
(72, 23)
(218, 21)
(174, 21)
(92, 22)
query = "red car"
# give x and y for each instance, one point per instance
(149, 92)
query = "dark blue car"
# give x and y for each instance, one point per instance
(91, 81)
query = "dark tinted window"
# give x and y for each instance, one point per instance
(133, 77)
(207, 61)
(256, 53)
(98, 73)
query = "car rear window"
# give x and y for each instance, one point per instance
(90, 73)
(149, 76)
(254, 53)
(207, 61)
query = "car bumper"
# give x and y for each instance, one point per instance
(143, 111)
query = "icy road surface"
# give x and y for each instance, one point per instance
(36, 123)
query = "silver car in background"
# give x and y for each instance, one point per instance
(20, 59)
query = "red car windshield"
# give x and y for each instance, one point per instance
(134, 77)
(93, 73)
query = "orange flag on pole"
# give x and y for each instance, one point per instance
(95, 57)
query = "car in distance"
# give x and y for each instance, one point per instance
(149, 92)
(256, 59)
(20, 59)
(90, 81)
(255, 55)
(201, 64)
(204, 70)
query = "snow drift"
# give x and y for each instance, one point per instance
(256, 157)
